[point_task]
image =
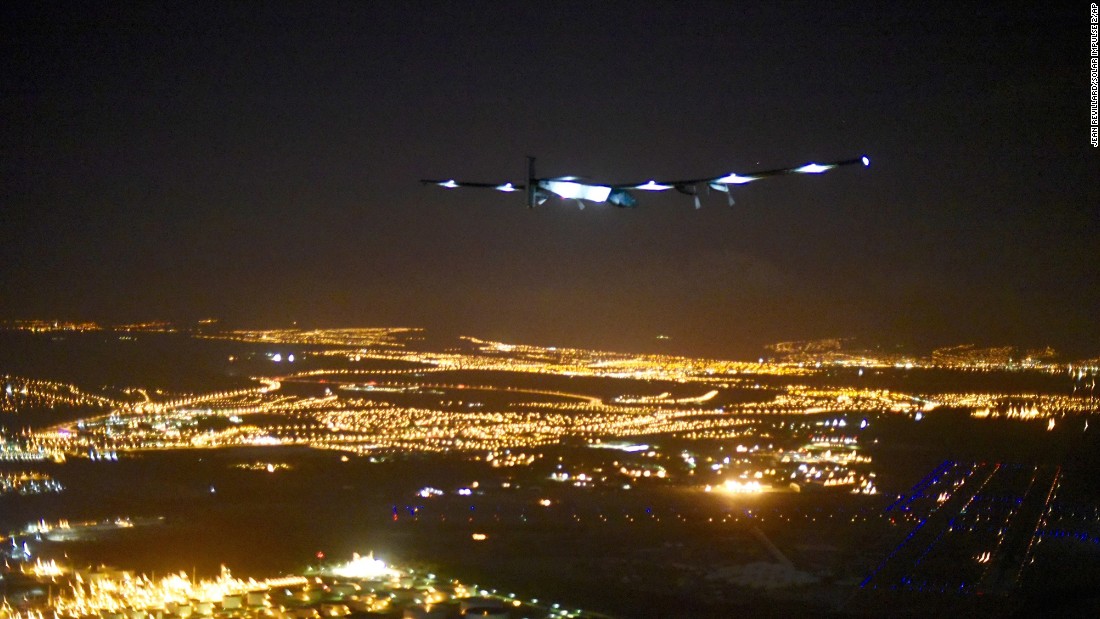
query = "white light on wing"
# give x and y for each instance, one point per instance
(506, 187)
(735, 179)
(653, 186)
(866, 161)
(814, 168)
(449, 184)
(577, 191)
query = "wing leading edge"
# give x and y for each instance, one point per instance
(619, 194)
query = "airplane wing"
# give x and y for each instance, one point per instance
(452, 184)
(619, 194)
(734, 178)
(723, 183)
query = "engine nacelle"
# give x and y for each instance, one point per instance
(622, 198)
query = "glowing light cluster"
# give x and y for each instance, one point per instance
(367, 568)
(734, 486)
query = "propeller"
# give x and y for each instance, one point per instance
(724, 189)
(692, 191)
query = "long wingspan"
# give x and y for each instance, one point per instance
(618, 194)
(734, 178)
(452, 184)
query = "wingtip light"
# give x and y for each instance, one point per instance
(451, 184)
(866, 161)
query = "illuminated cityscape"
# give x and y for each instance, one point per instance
(797, 469)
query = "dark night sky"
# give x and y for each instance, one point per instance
(258, 162)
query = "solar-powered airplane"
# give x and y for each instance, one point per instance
(618, 194)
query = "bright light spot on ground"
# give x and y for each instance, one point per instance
(739, 487)
(363, 567)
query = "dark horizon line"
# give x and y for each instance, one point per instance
(225, 326)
